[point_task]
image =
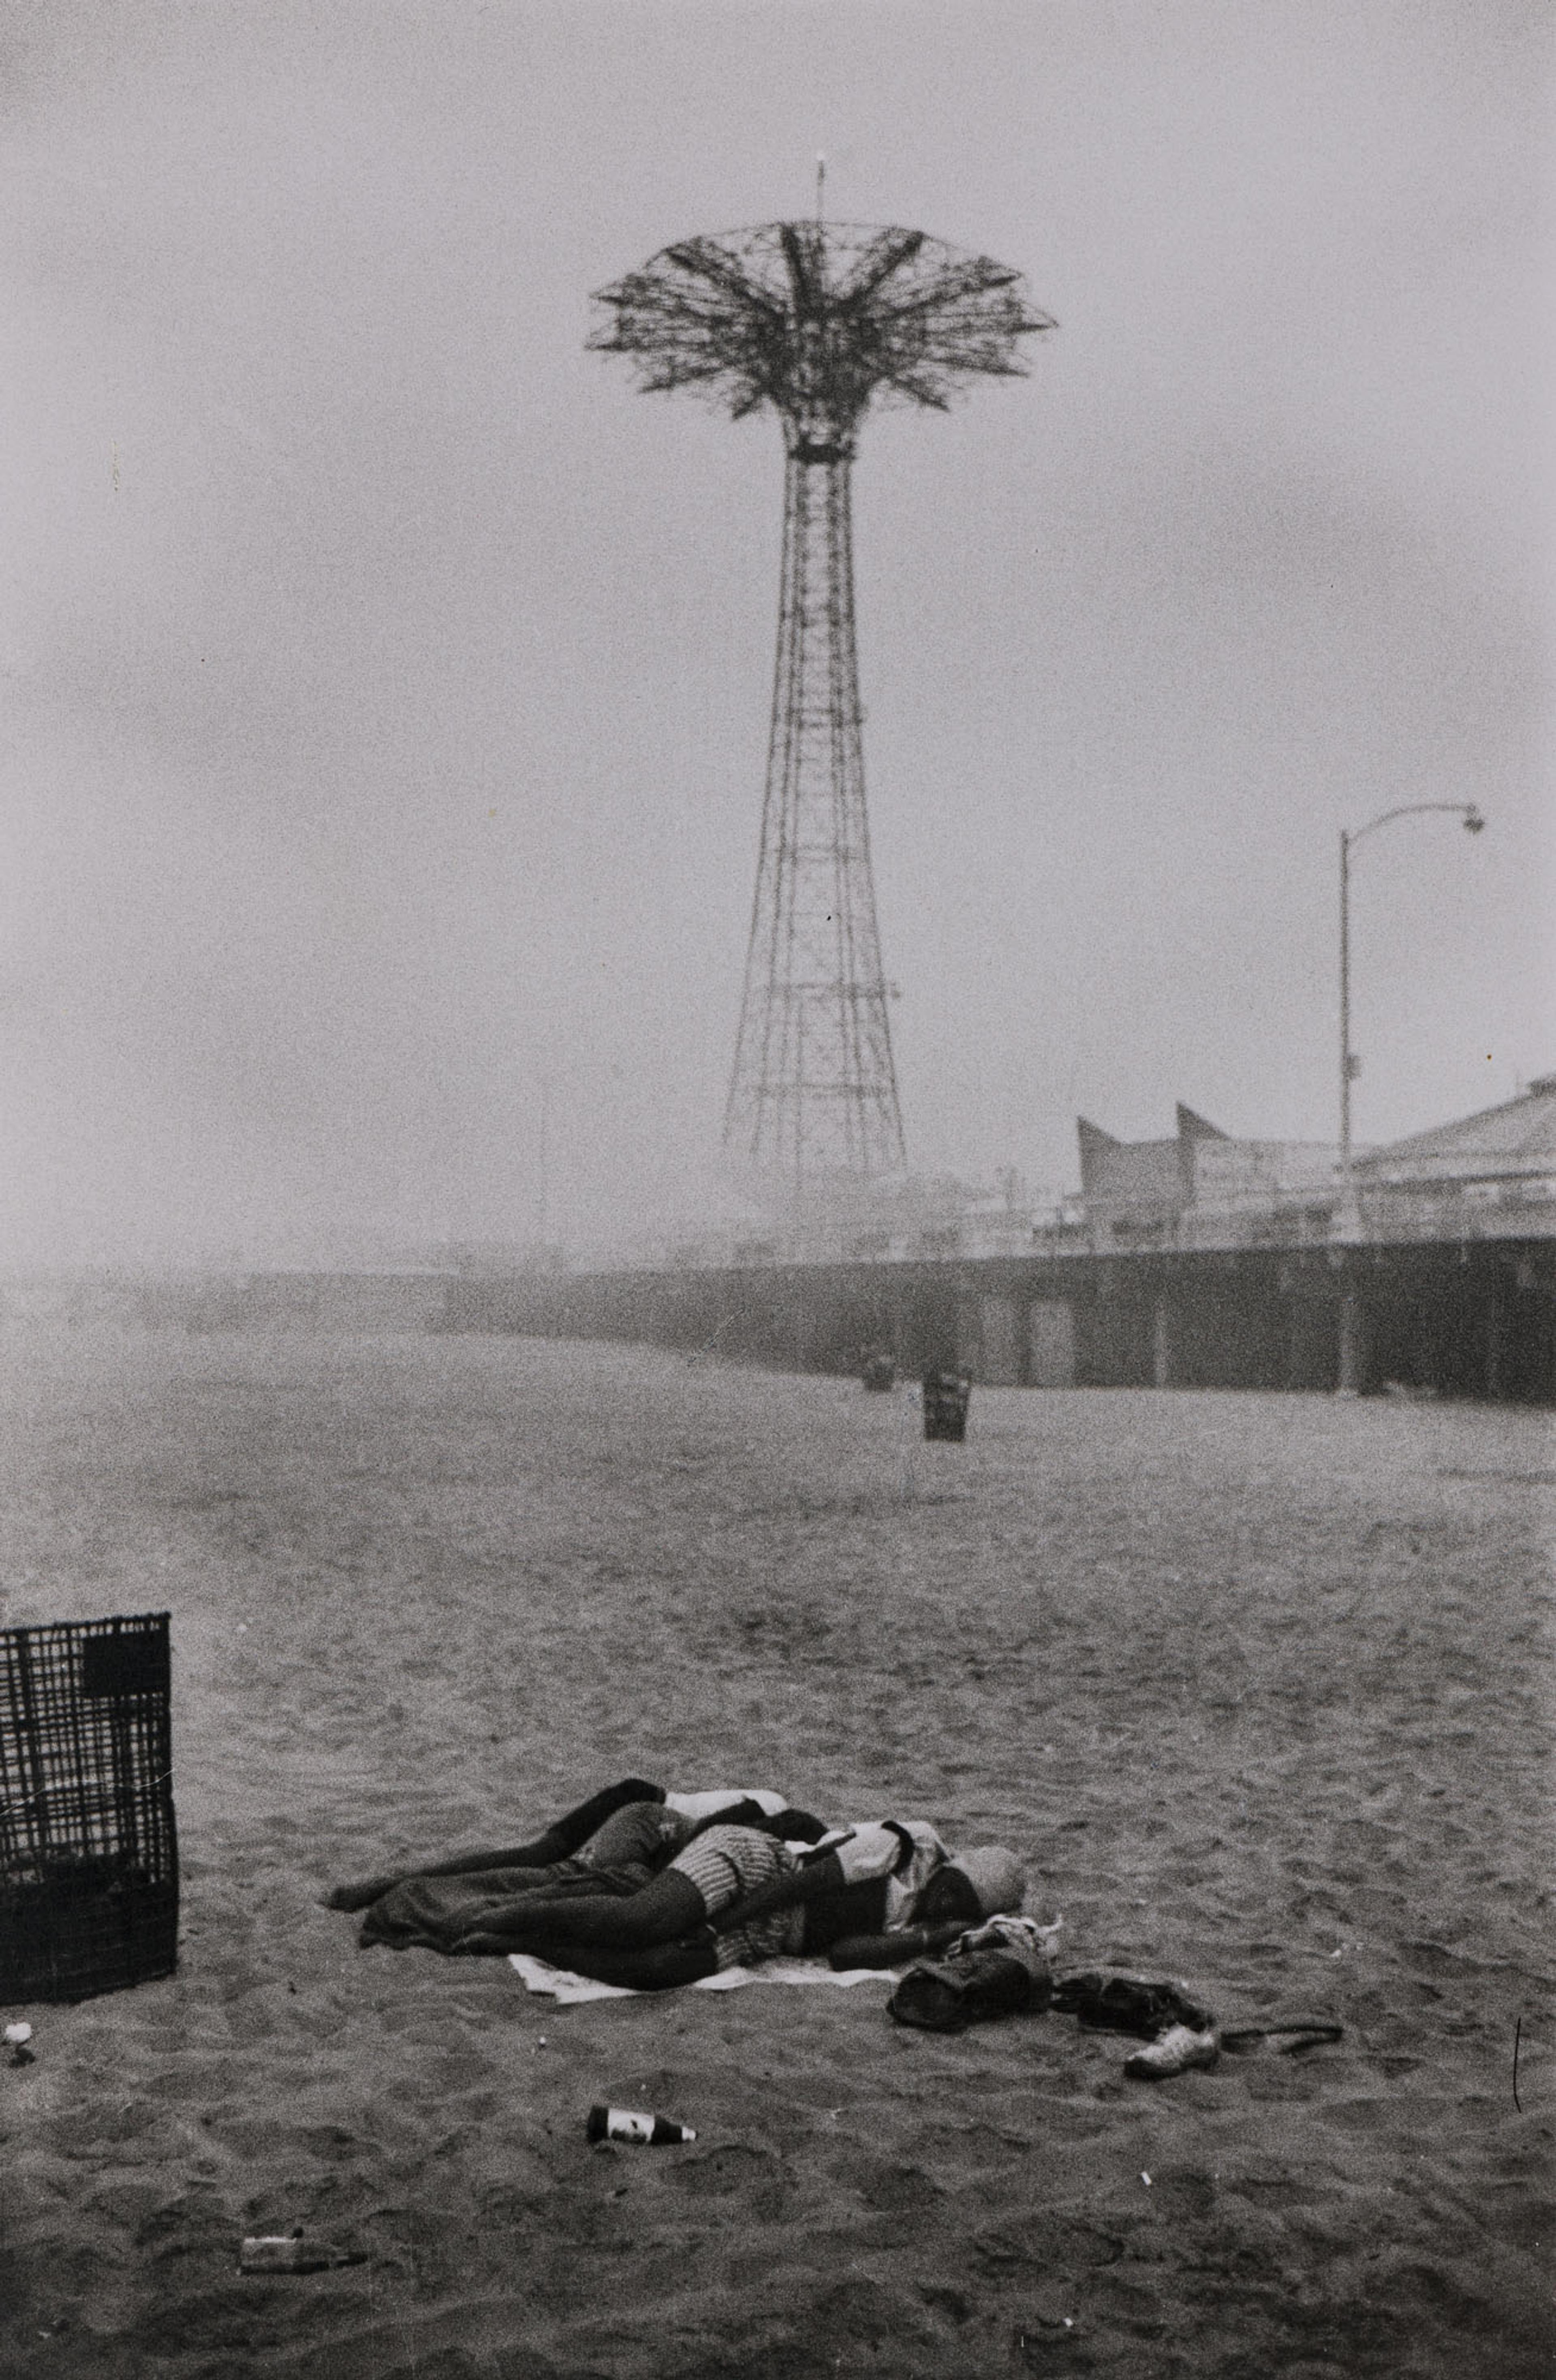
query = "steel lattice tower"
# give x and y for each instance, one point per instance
(816, 320)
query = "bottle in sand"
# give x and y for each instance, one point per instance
(628, 2124)
(273, 2252)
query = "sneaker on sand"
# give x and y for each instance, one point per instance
(1174, 2052)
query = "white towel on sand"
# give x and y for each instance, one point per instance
(558, 1983)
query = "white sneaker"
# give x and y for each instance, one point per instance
(1174, 2052)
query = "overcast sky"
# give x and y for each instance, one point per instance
(386, 683)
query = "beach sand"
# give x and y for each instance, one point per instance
(1262, 1683)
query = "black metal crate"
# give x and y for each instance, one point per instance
(88, 1853)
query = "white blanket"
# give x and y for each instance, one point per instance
(558, 1983)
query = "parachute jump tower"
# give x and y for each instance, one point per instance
(818, 320)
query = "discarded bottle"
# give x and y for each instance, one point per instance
(627, 2124)
(293, 2253)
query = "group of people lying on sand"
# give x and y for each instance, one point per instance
(650, 1889)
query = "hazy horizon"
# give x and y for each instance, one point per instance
(387, 683)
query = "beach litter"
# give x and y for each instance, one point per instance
(1178, 2049)
(17, 2040)
(630, 2124)
(1180, 2034)
(290, 2252)
(1003, 1969)
(1285, 2040)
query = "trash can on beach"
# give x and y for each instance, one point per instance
(946, 1396)
(89, 1854)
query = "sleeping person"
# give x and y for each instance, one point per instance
(875, 1894)
(612, 1844)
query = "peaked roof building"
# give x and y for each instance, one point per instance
(1150, 1176)
(1144, 1189)
(1502, 1147)
(1490, 1174)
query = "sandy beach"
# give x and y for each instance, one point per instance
(1260, 1685)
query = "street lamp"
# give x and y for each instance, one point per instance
(1350, 1064)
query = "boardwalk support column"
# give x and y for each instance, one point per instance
(1351, 1350)
(1162, 1345)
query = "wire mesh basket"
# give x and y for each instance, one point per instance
(89, 1854)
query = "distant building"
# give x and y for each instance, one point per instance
(1494, 1171)
(1137, 1188)
(1486, 1176)
(1140, 1193)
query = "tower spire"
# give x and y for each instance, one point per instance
(816, 320)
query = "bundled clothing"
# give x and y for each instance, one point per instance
(1000, 1969)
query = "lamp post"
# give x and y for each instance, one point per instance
(1350, 1064)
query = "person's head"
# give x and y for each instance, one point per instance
(948, 1899)
(985, 1883)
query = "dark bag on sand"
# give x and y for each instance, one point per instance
(1121, 2004)
(946, 1994)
